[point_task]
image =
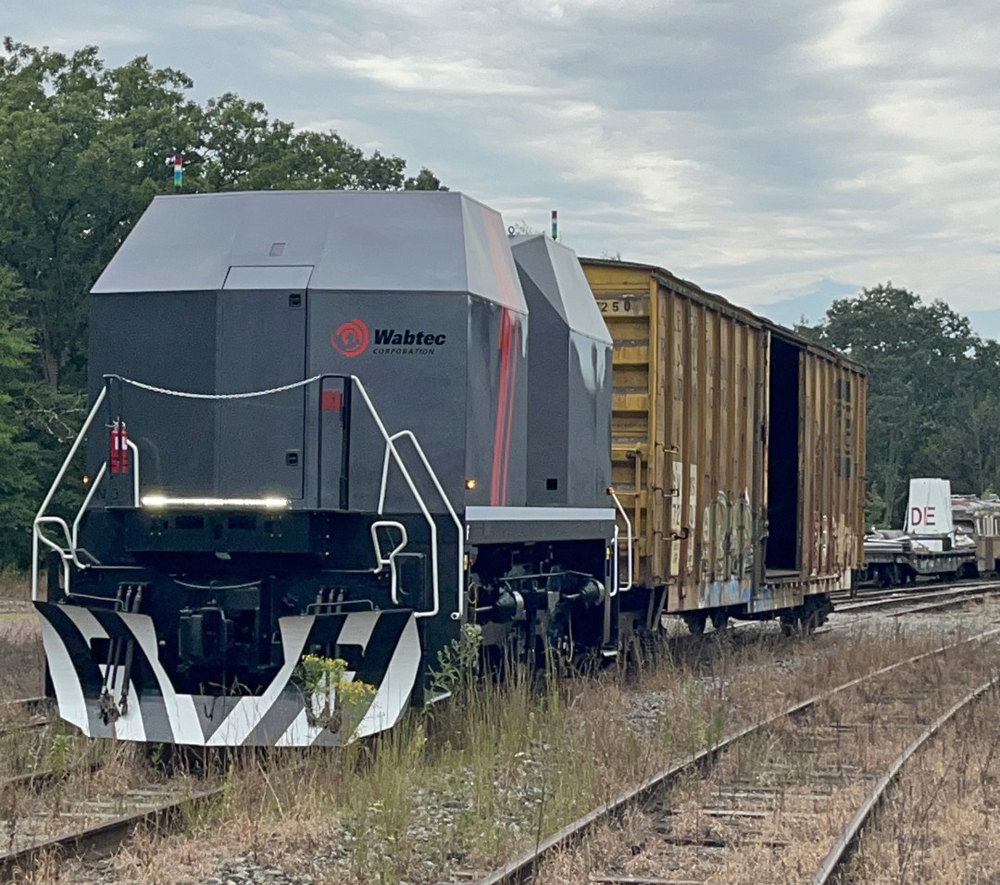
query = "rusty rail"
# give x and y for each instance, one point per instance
(520, 870)
(847, 842)
(104, 837)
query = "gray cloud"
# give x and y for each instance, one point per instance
(757, 149)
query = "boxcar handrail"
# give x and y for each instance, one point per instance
(628, 526)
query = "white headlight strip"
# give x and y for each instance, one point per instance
(158, 501)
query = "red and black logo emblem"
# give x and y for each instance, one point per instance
(351, 339)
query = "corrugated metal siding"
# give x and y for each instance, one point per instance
(831, 466)
(688, 453)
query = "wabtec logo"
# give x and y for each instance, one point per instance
(352, 339)
(408, 338)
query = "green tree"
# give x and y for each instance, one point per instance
(928, 387)
(19, 453)
(83, 150)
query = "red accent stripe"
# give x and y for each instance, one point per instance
(510, 326)
(502, 400)
(510, 409)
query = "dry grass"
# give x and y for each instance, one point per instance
(22, 660)
(462, 789)
(941, 822)
(21, 657)
(15, 586)
(771, 808)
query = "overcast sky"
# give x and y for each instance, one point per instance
(767, 150)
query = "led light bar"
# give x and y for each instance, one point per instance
(159, 501)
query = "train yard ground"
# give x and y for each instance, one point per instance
(458, 792)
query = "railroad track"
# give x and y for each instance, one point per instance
(751, 798)
(94, 826)
(913, 601)
(107, 822)
(26, 714)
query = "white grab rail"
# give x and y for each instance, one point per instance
(459, 613)
(391, 448)
(40, 517)
(628, 526)
(389, 560)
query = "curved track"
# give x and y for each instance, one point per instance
(750, 807)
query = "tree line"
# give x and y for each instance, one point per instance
(84, 148)
(933, 394)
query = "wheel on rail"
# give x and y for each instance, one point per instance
(790, 624)
(696, 622)
(720, 620)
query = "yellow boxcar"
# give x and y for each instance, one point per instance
(737, 449)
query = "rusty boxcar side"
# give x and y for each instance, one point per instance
(737, 448)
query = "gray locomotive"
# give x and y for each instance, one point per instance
(328, 430)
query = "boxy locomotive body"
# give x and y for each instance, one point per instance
(345, 425)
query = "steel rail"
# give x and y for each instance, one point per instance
(847, 842)
(39, 708)
(904, 598)
(105, 837)
(521, 869)
(944, 603)
(906, 589)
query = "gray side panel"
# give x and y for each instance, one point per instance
(165, 339)
(259, 442)
(588, 440)
(548, 403)
(569, 387)
(418, 387)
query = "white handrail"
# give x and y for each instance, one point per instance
(459, 614)
(435, 586)
(614, 563)
(628, 525)
(135, 471)
(35, 532)
(86, 502)
(48, 542)
(390, 560)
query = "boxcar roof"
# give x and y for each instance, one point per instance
(695, 292)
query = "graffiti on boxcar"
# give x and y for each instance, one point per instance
(727, 539)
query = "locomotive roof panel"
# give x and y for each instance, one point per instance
(555, 270)
(378, 241)
(742, 314)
